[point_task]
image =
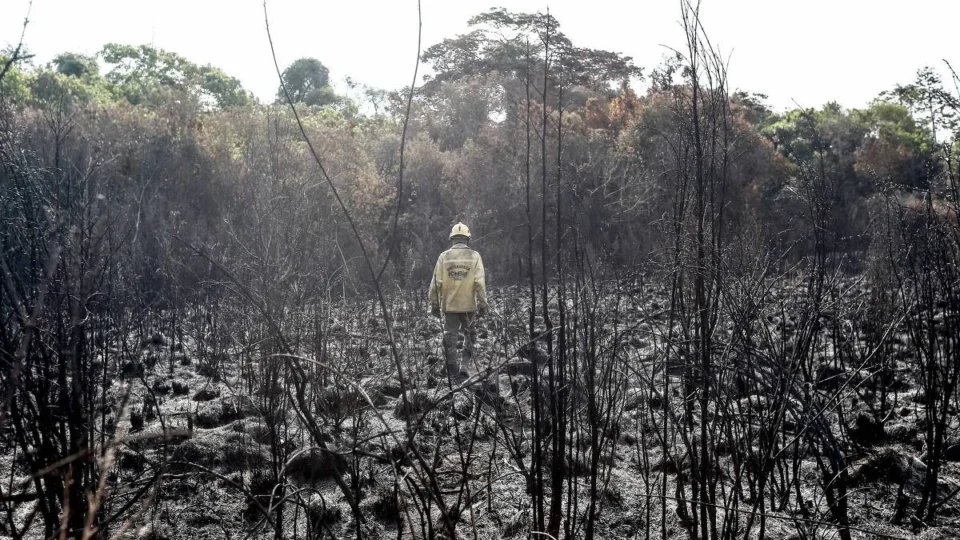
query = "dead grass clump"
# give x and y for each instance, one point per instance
(903, 433)
(206, 394)
(131, 460)
(320, 513)
(136, 420)
(209, 371)
(241, 452)
(199, 520)
(390, 389)
(667, 465)
(132, 369)
(209, 416)
(417, 402)
(888, 465)
(462, 406)
(195, 452)
(215, 414)
(519, 368)
(516, 525)
(261, 487)
(161, 387)
(180, 389)
(180, 489)
(314, 465)
(867, 430)
(386, 506)
(259, 432)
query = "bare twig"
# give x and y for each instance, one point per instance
(16, 55)
(353, 226)
(403, 144)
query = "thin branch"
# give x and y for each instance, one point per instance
(353, 226)
(403, 144)
(16, 56)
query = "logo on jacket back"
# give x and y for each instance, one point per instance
(458, 272)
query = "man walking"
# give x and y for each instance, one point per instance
(458, 292)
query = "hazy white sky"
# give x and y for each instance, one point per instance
(808, 51)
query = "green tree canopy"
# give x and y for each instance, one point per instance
(52, 89)
(76, 65)
(13, 84)
(895, 148)
(929, 101)
(498, 43)
(140, 72)
(308, 81)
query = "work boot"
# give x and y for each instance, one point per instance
(457, 373)
(456, 370)
(466, 359)
(488, 391)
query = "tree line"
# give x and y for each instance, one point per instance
(466, 143)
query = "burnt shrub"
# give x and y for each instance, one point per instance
(136, 420)
(386, 506)
(866, 430)
(417, 403)
(320, 512)
(314, 465)
(180, 389)
(261, 486)
(206, 394)
(213, 414)
(161, 387)
(241, 452)
(195, 452)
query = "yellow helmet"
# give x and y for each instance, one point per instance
(460, 230)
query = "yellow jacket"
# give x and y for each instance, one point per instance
(458, 284)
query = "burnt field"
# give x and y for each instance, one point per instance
(805, 415)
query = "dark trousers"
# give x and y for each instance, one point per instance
(453, 324)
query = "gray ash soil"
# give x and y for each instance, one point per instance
(232, 412)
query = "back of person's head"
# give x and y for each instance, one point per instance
(460, 233)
